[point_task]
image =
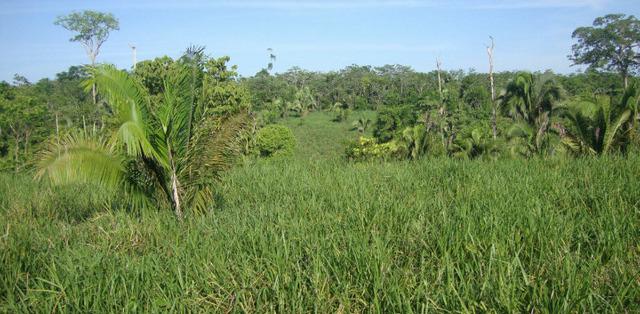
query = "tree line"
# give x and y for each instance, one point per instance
(161, 132)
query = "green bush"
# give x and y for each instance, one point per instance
(275, 140)
(367, 148)
(391, 121)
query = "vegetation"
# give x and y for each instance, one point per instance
(167, 155)
(92, 29)
(327, 236)
(611, 44)
(275, 141)
(391, 190)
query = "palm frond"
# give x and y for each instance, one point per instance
(81, 159)
(130, 103)
(613, 130)
(213, 148)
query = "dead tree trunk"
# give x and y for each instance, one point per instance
(438, 64)
(494, 123)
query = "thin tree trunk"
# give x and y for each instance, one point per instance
(84, 126)
(17, 152)
(27, 135)
(175, 185)
(438, 64)
(176, 196)
(494, 127)
(94, 93)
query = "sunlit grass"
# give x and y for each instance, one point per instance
(322, 235)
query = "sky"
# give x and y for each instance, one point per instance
(314, 34)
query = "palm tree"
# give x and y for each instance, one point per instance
(611, 126)
(532, 101)
(362, 124)
(475, 144)
(168, 154)
(416, 141)
(342, 111)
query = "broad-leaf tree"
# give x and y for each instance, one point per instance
(92, 29)
(612, 44)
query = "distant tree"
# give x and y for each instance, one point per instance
(611, 44)
(153, 73)
(92, 30)
(22, 119)
(220, 93)
(19, 80)
(272, 60)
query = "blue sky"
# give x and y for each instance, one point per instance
(314, 34)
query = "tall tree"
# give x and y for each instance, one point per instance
(612, 44)
(494, 127)
(92, 29)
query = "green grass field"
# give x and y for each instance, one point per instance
(315, 233)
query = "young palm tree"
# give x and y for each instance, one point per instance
(168, 154)
(362, 124)
(475, 144)
(342, 111)
(532, 101)
(612, 126)
(416, 141)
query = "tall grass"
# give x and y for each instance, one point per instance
(322, 235)
(292, 236)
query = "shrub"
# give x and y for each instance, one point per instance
(367, 148)
(275, 140)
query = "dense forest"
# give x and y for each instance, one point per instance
(180, 185)
(403, 99)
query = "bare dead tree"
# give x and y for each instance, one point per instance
(438, 64)
(494, 126)
(133, 55)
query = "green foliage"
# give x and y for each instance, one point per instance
(611, 127)
(275, 140)
(366, 148)
(221, 95)
(611, 44)
(391, 121)
(437, 235)
(23, 124)
(475, 94)
(362, 124)
(90, 25)
(153, 73)
(177, 141)
(533, 102)
(342, 112)
(92, 29)
(476, 143)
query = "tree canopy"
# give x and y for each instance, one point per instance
(611, 44)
